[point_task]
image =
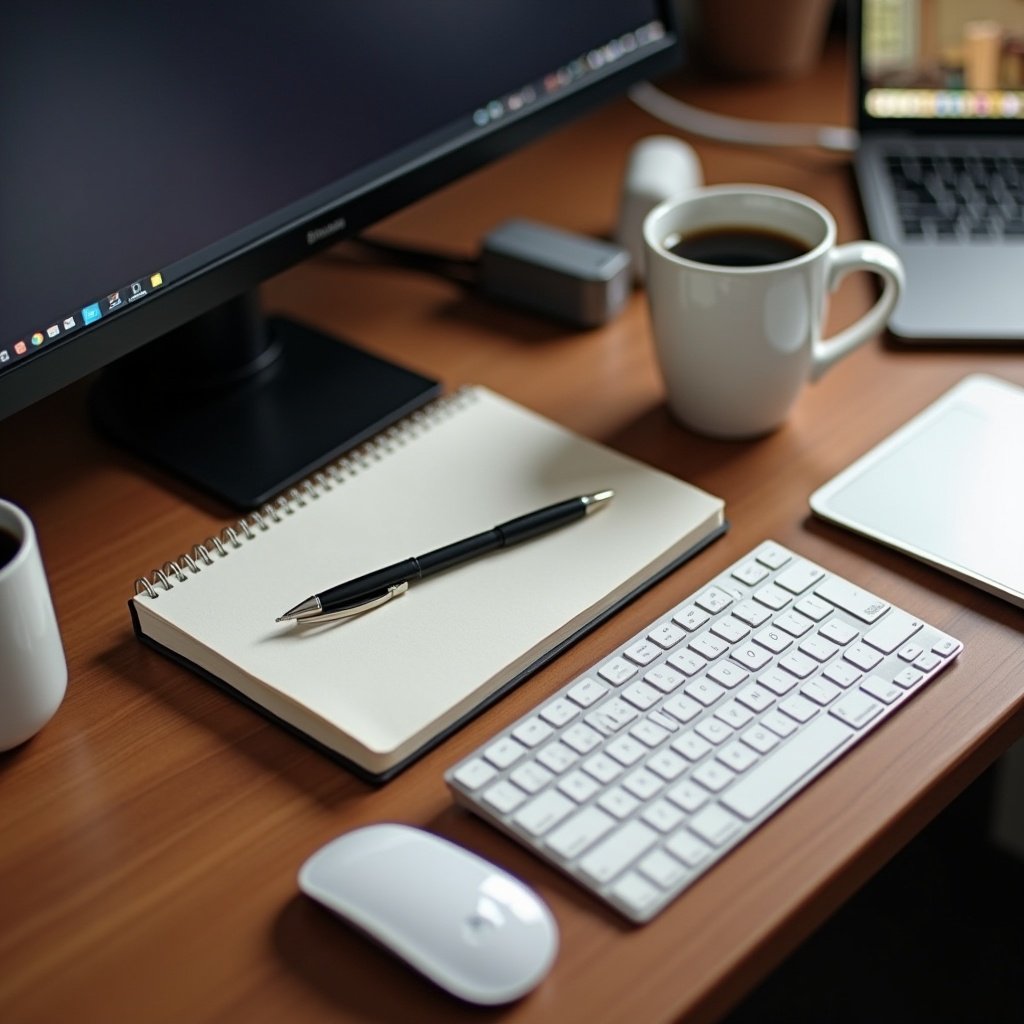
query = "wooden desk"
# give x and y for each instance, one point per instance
(152, 831)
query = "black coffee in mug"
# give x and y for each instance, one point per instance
(737, 246)
(9, 546)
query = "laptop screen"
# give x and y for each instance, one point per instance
(939, 64)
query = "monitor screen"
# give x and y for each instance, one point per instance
(943, 61)
(158, 163)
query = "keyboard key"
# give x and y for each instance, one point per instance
(664, 678)
(580, 832)
(532, 731)
(602, 767)
(714, 599)
(862, 656)
(691, 745)
(727, 674)
(712, 776)
(474, 773)
(860, 603)
(793, 623)
(881, 688)
(577, 786)
(773, 597)
(531, 777)
(587, 692)
(750, 573)
(558, 712)
(857, 709)
(582, 738)
(617, 671)
(641, 695)
(642, 653)
(752, 656)
(839, 632)
(504, 796)
(662, 869)
(688, 848)
(730, 629)
(760, 738)
(682, 707)
(611, 716)
(557, 757)
(799, 576)
(715, 825)
(614, 854)
(666, 635)
(635, 892)
(892, 632)
(505, 752)
(691, 618)
(773, 555)
(617, 802)
(752, 614)
(783, 769)
(544, 812)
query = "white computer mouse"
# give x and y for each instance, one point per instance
(466, 924)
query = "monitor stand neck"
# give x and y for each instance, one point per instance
(243, 407)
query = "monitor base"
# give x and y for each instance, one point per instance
(244, 433)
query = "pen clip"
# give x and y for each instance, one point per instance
(395, 590)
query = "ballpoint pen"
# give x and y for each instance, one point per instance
(376, 588)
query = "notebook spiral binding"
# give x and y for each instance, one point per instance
(351, 464)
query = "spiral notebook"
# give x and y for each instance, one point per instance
(379, 689)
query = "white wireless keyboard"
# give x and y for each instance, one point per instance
(645, 770)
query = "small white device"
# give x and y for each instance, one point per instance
(946, 487)
(658, 168)
(464, 923)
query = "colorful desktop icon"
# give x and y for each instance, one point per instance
(52, 331)
(37, 338)
(20, 348)
(69, 323)
(156, 280)
(114, 300)
(91, 313)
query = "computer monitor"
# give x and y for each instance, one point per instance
(158, 163)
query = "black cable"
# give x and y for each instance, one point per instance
(461, 270)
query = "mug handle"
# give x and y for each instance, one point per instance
(843, 260)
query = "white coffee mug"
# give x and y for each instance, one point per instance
(737, 343)
(33, 671)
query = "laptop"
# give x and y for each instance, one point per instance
(940, 166)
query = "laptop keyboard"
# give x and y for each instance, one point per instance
(958, 198)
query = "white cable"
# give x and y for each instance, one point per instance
(736, 130)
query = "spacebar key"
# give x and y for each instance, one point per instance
(778, 773)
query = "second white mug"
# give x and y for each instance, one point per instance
(33, 671)
(738, 278)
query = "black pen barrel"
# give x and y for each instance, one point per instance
(358, 589)
(457, 553)
(545, 519)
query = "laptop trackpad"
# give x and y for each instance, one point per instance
(946, 487)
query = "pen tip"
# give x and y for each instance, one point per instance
(598, 500)
(303, 610)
